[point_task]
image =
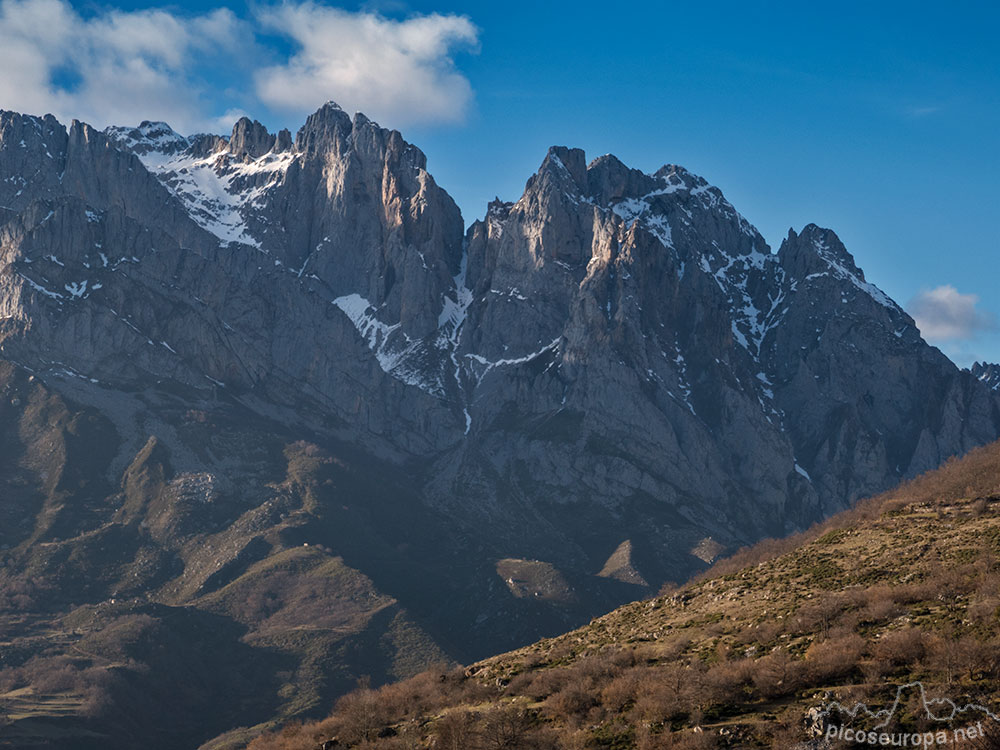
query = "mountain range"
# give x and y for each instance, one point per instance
(273, 389)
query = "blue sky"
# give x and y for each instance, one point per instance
(878, 120)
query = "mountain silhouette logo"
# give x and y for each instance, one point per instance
(941, 721)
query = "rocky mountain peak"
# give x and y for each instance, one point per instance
(149, 137)
(16, 128)
(568, 161)
(498, 209)
(816, 254)
(32, 151)
(610, 181)
(605, 181)
(815, 250)
(250, 140)
(205, 145)
(326, 126)
(283, 141)
(988, 374)
(82, 135)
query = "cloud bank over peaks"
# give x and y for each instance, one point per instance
(200, 72)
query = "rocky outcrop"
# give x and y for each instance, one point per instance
(622, 567)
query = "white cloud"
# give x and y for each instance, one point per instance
(945, 314)
(197, 72)
(115, 67)
(395, 71)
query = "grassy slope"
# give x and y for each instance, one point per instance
(904, 587)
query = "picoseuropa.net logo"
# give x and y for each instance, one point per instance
(912, 720)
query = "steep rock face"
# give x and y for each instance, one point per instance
(864, 389)
(348, 204)
(347, 212)
(636, 359)
(600, 387)
(130, 255)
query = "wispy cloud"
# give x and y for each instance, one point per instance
(923, 110)
(197, 72)
(944, 314)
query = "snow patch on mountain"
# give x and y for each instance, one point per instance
(217, 190)
(485, 365)
(640, 210)
(396, 353)
(149, 137)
